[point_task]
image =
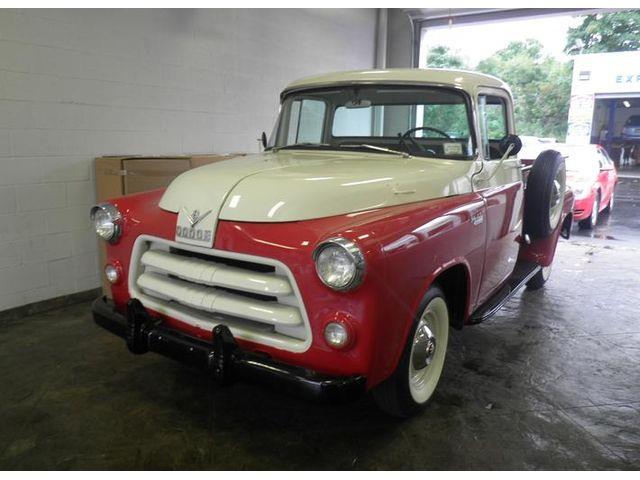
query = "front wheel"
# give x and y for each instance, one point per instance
(412, 385)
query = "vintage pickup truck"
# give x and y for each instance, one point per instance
(387, 207)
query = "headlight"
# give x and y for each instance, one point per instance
(339, 263)
(107, 221)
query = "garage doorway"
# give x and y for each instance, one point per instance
(616, 126)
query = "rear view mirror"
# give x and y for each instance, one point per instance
(358, 103)
(508, 140)
(263, 139)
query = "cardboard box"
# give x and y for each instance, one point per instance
(123, 175)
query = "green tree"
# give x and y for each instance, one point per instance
(541, 87)
(441, 56)
(449, 118)
(605, 32)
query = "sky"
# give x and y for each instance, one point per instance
(477, 42)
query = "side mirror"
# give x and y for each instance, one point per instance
(263, 139)
(510, 140)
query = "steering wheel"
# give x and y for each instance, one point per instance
(407, 136)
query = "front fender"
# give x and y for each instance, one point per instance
(417, 243)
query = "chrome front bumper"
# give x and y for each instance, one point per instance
(222, 357)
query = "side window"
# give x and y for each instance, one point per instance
(493, 124)
(306, 121)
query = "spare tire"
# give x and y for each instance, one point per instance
(544, 194)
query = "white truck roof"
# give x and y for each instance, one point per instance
(463, 79)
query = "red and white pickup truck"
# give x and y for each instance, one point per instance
(387, 207)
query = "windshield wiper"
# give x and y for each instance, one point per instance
(374, 147)
(301, 145)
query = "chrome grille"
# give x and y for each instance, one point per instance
(256, 297)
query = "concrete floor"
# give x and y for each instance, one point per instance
(551, 382)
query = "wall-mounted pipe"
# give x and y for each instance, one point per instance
(381, 38)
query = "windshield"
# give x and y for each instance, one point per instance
(580, 161)
(422, 121)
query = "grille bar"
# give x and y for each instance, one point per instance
(211, 273)
(206, 298)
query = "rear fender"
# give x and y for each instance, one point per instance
(542, 250)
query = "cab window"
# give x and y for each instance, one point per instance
(493, 124)
(306, 121)
(422, 121)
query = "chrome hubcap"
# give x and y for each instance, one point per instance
(424, 347)
(556, 198)
(555, 194)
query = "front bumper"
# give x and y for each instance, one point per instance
(631, 134)
(222, 357)
(582, 208)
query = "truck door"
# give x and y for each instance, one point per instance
(500, 183)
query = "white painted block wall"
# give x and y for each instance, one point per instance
(76, 84)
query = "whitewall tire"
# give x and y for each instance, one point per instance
(412, 385)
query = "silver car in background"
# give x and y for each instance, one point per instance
(631, 127)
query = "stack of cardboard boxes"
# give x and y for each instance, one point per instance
(123, 175)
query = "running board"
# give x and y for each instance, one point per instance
(520, 276)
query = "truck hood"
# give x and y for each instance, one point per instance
(294, 185)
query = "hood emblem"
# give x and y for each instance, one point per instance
(194, 217)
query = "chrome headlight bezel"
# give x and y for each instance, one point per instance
(353, 253)
(113, 215)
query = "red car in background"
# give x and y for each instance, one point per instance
(591, 175)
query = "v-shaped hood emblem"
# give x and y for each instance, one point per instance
(194, 217)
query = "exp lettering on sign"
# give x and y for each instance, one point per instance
(628, 78)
